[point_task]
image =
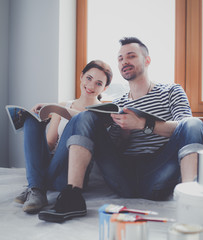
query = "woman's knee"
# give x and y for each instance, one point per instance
(32, 125)
(31, 122)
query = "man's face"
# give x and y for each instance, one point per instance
(131, 61)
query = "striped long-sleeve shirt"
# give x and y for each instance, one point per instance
(167, 101)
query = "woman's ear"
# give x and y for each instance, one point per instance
(105, 88)
(81, 75)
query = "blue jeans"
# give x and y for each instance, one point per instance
(43, 169)
(150, 176)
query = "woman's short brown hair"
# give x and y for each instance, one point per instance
(104, 67)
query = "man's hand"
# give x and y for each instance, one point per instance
(129, 120)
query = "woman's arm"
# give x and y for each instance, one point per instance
(52, 133)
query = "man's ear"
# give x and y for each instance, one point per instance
(147, 60)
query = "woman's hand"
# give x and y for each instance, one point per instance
(37, 107)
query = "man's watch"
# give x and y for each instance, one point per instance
(149, 125)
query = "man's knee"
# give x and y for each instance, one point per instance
(192, 123)
(192, 135)
(191, 129)
(86, 117)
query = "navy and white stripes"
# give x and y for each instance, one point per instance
(167, 101)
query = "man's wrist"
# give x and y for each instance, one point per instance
(149, 126)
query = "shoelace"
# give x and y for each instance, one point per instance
(30, 192)
(62, 198)
(24, 192)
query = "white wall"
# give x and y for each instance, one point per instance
(152, 21)
(34, 59)
(4, 26)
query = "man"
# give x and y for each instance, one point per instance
(138, 157)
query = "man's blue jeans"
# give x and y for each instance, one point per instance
(151, 176)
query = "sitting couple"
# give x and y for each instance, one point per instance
(138, 157)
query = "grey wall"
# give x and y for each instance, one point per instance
(33, 55)
(4, 38)
(31, 66)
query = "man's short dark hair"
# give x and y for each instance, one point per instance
(128, 40)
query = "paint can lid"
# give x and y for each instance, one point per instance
(186, 228)
(189, 190)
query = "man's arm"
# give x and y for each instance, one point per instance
(130, 121)
(165, 129)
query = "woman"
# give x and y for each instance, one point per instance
(46, 154)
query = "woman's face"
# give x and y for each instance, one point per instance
(93, 82)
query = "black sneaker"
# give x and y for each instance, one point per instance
(70, 203)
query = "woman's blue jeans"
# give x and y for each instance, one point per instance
(150, 176)
(47, 171)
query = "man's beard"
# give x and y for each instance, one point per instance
(132, 74)
(129, 77)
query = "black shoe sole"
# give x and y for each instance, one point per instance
(60, 217)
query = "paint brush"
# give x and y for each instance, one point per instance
(137, 218)
(112, 208)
